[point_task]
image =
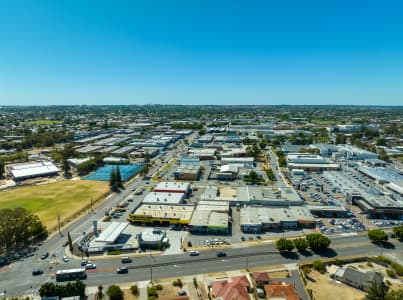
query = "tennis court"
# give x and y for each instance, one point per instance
(126, 172)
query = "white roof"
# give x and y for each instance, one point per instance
(162, 197)
(112, 232)
(173, 186)
(33, 169)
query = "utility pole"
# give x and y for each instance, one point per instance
(58, 222)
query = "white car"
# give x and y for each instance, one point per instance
(194, 253)
(65, 259)
(90, 266)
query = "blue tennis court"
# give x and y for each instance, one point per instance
(126, 172)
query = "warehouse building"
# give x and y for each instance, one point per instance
(210, 217)
(312, 162)
(354, 153)
(162, 214)
(188, 172)
(256, 219)
(164, 198)
(246, 162)
(173, 187)
(32, 170)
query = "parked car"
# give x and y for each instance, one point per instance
(45, 255)
(122, 270)
(65, 259)
(84, 262)
(37, 272)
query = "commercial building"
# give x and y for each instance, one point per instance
(259, 219)
(203, 154)
(228, 172)
(210, 217)
(307, 161)
(152, 238)
(255, 195)
(354, 153)
(162, 214)
(188, 172)
(173, 187)
(246, 162)
(164, 198)
(112, 232)
(32, 170)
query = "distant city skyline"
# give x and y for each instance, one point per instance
(208, 52)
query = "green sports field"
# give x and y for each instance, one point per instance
(42, 122)
(49, 200)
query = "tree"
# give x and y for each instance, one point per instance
(66, 167)
(317, 241)
(300, 244)
(394, 295)
(253, 176)
(398, 232)
(319, 266)
(69, 240)
(284, 245)
(134, 289)
(377, 235)
(376, 291)
(118, 178)
(100, 294)
(115, 292)
(113, 179)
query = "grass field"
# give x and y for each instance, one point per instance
(42, 122)
(49, 200)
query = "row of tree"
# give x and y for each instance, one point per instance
(19, 228)
(313, 241)
(115, 179)
(71, 289)
(379, 236)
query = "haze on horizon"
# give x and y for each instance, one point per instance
(201, 52)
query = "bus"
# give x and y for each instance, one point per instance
(71, 274)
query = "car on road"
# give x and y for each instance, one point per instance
(84, 262)
(122, 270)
(65, 259)
(126, 259)
(36, 272)
(194, 253)
(243, 238)
(90, 266)
(221, 254)
(45, 255)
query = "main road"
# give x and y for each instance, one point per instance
(17, 278)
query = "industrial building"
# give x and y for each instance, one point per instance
(369, 199)
(188, 172)
(32, 170)
(354, 153)
(306, 161)
(259, 219)
(210, 217)
(246, 162)
(255, 195)
(173, 187)
(162, 214)
(164, 198)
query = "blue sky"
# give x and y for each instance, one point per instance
(201, 52)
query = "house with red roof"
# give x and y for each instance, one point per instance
(237, 288)
(281, 291)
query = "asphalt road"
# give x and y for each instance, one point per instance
(18, 279)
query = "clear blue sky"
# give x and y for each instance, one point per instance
(201, 52)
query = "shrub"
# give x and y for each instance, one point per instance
(369, 264)
(391, 273)
(159, 287)
(319, 266)
(398, 268)
(114, 252)
(134, 289)
(152, 292)
(178, 283)
(306, 270)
